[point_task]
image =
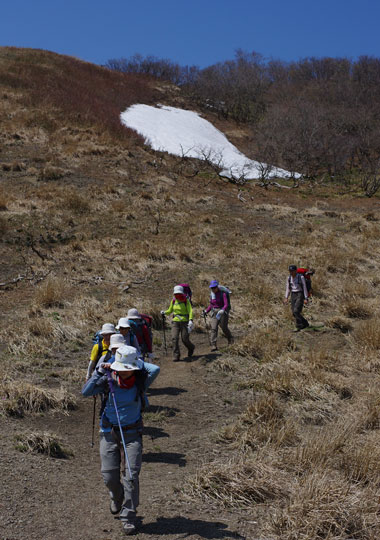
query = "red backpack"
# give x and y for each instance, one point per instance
(307, 273)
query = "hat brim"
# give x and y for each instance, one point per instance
(134, 317)
(118, 366)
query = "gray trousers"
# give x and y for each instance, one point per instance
(215, 323)
(297, 299)
(180, 328)
(122, 489)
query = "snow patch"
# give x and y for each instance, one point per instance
(185, 133)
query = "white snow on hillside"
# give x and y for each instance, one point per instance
(185, 133)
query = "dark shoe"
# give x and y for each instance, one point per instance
(129, 527)
(297, 330)
(176, 359)
(214, 348)
(115, 507)
(231, 340)
(191, 352)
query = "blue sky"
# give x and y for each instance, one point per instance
(199, 32)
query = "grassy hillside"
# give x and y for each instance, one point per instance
(93, 223)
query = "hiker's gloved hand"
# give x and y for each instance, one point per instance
(190, 326)
(204, 313)
(150, 355)
(162, 312)
(103, 367)
(219, 314)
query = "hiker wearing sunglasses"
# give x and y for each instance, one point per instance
(122, 381)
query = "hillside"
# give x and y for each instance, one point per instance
(274, 437)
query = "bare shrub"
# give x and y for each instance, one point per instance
(51, 293)
(42, 443)
(19, 398)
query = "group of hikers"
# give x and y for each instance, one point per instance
(120, 371)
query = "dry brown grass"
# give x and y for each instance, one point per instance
(53, 292)
(43, 443)
(367, 335)
(19, 398)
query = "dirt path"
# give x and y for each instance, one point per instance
(66, 499)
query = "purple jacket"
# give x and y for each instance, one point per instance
(219, 302)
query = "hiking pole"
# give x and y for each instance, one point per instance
(206, 325)
(93, 422)
(163, 326)
(110, 382)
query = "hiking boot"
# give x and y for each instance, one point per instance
(115, 507)
(176, 359)
(129, 527)
(191, 352)
(231, 340)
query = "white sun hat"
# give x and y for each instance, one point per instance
(107, 328)
(123, 323)
(133, 314)
(126, 359)
(117, 340)
(178, 289)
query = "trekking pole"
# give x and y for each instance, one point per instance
(93, 422)
(207, 328)
(110, 382)
(163, 326)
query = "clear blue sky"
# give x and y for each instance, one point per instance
(199, 32)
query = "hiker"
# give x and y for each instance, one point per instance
(129, 337)
(296, 286)
(218, 309)
(123, 380)
(101, 347)
(141, 330)
(182, 323)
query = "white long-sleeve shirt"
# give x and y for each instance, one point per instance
(297, 284)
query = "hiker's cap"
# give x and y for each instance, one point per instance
(292, 268)
(133, 314)
(107, 328)
(117, 340)
(214, 283)
(178, 289)
(126, 359)
(123, 323)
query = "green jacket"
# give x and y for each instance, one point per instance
(183, 311)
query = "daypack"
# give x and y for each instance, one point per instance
(137, 326)
(187, 291)
(98, 340)
(228, 294)
(306, 273)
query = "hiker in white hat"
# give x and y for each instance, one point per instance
(182, 323)
(141, 327)
(129, 337)
(101, 342)
(122, 381)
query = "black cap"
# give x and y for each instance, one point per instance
(292, 267)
